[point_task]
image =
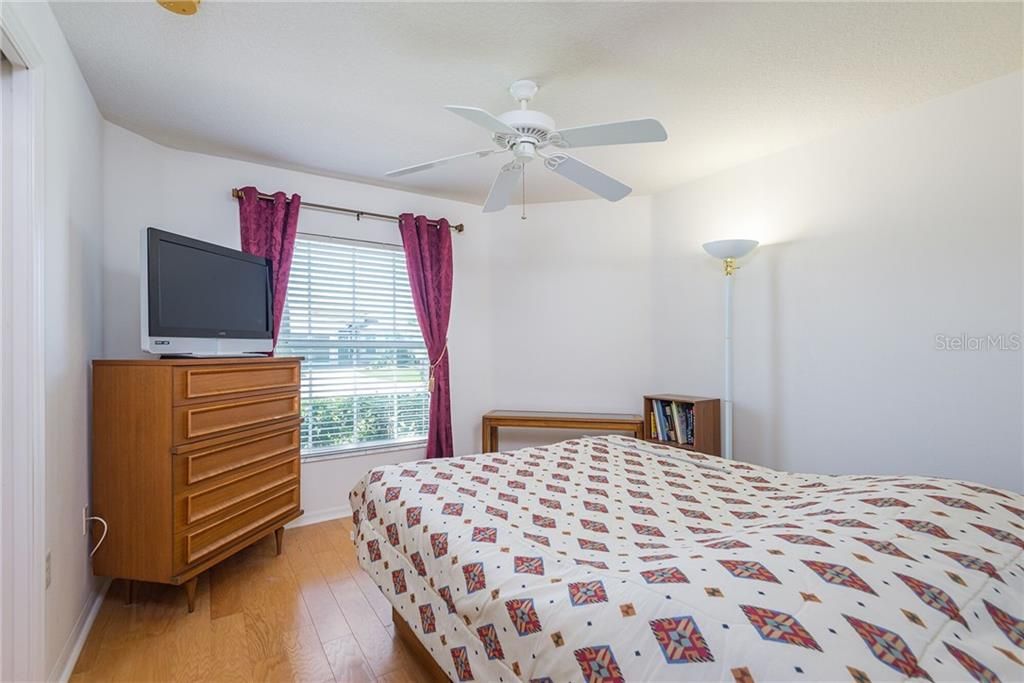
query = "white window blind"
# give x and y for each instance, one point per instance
(349, 311)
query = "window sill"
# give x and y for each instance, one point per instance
(361, 451)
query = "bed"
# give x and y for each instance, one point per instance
(611, 559)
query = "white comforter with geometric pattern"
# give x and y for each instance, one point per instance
(610, 559)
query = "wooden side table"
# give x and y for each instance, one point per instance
(537, 419)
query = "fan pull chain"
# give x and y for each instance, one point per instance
(523, 217)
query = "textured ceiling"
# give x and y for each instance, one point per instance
(354, 90)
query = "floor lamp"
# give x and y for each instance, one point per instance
(728, 251)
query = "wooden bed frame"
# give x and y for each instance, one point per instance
(419, 653)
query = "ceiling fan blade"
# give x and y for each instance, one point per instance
(482, 118)
(587, 176)
(619, 133)
(438, 162)
(504, 184)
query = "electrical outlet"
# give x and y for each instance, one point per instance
(47, 568)
(85, 520)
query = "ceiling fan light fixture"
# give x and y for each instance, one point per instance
(185, 7)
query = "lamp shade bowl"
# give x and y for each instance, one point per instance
(734, 249)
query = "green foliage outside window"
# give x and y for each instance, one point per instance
(336, 422)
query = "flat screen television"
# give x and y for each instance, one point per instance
(202, 299)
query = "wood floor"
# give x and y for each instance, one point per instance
(310, 615)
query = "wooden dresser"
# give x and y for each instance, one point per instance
(192, 460)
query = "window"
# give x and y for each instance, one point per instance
(349, 311)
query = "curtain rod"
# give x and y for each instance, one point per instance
(340, 209)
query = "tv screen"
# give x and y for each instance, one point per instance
(198, 289)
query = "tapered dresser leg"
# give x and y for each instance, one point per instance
(129, 592)
(279, 538)
(190, 592)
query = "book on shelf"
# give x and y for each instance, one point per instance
(671, 421)
(670, 430)
(658, 417)
(678, 423)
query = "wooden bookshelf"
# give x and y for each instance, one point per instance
(707, 427)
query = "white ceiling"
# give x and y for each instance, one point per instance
(354, 90)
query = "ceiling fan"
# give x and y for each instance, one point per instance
(530, 134)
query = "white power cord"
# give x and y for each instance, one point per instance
(102, 536)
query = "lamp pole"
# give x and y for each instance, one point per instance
(728, 251)
(729, 268)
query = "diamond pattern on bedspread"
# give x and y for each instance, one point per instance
(607, 559)
(680, 640)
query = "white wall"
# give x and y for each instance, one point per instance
(72, 194)
(877, 239)
(570, 310)
(150, 185)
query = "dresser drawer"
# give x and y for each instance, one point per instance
(204, 420)
(230, 492)
(202, 383)
(256, 514)
(200, 462)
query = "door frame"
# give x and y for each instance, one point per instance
(22, 379)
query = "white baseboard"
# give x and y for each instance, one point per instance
(322, 516)
(65, 664)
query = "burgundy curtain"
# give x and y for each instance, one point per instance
(428, 256)
(268, 230)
